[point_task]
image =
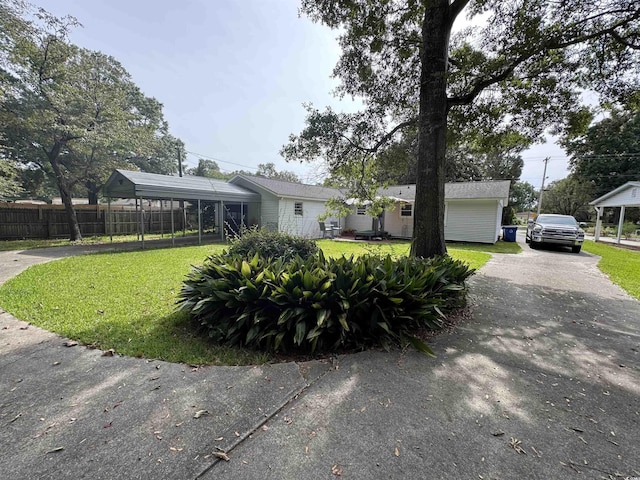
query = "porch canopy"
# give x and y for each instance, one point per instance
(627, 195)
(151, 186)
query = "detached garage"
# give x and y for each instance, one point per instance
(473, 210)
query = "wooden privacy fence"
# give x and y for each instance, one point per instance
(18, 221)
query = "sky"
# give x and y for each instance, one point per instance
(233, 75)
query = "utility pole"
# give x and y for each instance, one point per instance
(544, 176)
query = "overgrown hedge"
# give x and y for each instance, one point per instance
(321, 304)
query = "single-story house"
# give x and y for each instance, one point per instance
(289, 207)
(473, 211)
(627, 195)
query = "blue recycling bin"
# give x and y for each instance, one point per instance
(509, 233)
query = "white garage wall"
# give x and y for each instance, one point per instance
(472, 221)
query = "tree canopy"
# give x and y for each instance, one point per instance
(72, 113)
(516, 69)
(608, 154)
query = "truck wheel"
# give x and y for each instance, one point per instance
(576, 249)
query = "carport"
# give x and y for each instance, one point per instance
(232, 199)
(627, 195)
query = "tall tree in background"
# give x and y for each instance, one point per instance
(268, 170)
(608, 155)
(72, 113)
(569, 196)
(207, 168)
(520, 71)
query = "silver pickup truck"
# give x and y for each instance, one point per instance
(555, 230)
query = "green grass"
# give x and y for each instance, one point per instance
(620, 264)
(126, 301)
(30, 244)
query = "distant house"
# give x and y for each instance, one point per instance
(288, 207)
(473, 211)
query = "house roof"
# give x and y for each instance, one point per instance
(281, 188)
(616, 197)
(456, 190)
(129, 184)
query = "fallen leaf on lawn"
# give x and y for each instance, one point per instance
(200, 413)
(70, 343)
(336, 470)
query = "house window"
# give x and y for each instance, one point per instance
(361, 210)
(406, 210)
(297, 208)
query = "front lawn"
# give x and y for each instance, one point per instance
(620, 264)
(126, 301)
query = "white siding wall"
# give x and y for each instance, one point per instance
(629, 196)
(269, 212)
(397, 225)
(472, 221)
(305, 225)
(357, 222)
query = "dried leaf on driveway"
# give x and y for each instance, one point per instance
(200, 413)
(516, 445)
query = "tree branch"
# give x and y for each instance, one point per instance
(456, 7)
(624, 41)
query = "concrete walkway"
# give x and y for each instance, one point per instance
(543, 381)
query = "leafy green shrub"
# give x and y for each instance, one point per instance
(629, 229)
(270, 244)
(322, 303)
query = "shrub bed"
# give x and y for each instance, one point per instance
(271, 244)
(322, 304)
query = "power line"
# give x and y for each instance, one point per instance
(208, 157)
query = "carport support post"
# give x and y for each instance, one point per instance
(173, 235)
(142, 221)
(620, 224)
(199, 224)
(222, 220)
(598, 223)
(109, 220)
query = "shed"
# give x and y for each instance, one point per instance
(289, 207)
(627, 195)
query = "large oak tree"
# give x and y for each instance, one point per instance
(72, 113)
(517, 66)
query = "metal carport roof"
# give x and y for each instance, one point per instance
(129, 184)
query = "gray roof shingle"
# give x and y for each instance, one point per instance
(281, 188)
(455, 190)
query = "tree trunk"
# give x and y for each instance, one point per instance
(92, 192)
(428, 217)
(65, 194)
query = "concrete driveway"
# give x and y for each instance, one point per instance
(543, 381)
